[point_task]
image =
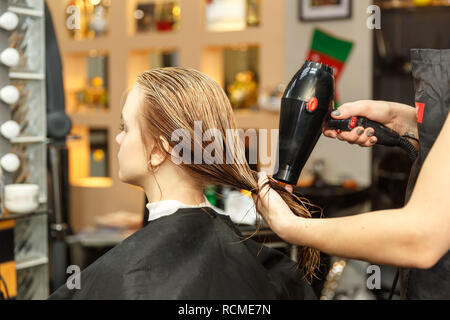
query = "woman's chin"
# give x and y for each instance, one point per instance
(129, 180)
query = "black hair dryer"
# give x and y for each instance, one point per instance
(305, 107)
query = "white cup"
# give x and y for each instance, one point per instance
(21, 198)
(10, 162)
(10, 129)
(9, 94)
(9, 21)
(10, 57)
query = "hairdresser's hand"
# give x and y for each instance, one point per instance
(398, 117)
(273, 209)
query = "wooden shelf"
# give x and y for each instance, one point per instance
(31, 262)
(224, 39)
(74, 46)
(93, 183)
(260, 119)
(169, 41)
(411, 5)
(92, 119)
(16, 216)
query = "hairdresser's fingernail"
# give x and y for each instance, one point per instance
(373, 141)
(360, 132)
(370, 133)
(336, 113)
(289, 188)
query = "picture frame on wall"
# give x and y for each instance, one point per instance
(322, 10)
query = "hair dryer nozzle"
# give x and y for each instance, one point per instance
(307, 102)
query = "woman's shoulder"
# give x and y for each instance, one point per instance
(192, 254)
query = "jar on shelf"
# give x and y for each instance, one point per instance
(87, 19)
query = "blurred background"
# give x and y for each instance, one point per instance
(252, 48)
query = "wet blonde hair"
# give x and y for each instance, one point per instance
(175, 98)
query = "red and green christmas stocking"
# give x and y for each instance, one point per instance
(332, 51)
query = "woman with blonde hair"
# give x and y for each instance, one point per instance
(189, 250)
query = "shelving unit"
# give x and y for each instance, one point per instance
(30, 230)
(191, 41)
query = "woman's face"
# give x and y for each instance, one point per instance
(132, 156)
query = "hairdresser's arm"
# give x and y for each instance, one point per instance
(396, 116)
(417, 235)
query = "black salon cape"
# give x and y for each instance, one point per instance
(190, 255)
(431, 73)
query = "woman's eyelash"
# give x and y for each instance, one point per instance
(122, 127)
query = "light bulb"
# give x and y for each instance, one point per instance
(9, 94)
(10, 162)
(9, 21)
(10, 129)
(10, 57)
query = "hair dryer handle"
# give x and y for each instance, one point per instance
(385, 136)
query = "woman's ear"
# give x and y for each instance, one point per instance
(158, 156)
(165, 144)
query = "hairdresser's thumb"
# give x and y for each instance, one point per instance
(353, 109)
(289, 189)
(262, 180)
(346, 111)
(262, 177)
(338, 114)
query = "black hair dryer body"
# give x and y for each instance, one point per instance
(305, 106)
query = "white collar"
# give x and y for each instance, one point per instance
(168, 207)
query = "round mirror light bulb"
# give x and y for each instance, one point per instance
(10, 57)
(10, 129)
(10, 162)
(9, 94)
(9, 21)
